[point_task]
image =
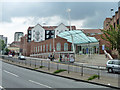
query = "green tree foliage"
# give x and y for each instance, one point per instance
(6, 51)
(113, 36)
(2, 45)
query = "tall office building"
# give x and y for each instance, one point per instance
(18, 35)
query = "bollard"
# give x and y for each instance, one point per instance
(82, 70)
(41, 62)
(25, 62)
(76, 69)
(35, 63)
(68, 68)
(30, 62)
(18, 61)
(49, 65)
(57, 66)
(98, 72)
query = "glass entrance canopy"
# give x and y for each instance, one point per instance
(78, 37)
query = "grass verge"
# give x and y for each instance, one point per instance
(58, 71)
(93, 77)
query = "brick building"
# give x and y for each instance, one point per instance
(114, 21)
(40, 33)
(44, 48)
(62, 45)
(91, 32)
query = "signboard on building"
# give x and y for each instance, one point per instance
(103, 47)
(72, 59)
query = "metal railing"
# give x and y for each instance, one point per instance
(37, 63)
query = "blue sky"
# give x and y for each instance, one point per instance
(18, 16)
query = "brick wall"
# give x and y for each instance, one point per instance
(30, 47)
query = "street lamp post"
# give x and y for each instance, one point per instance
(69, 10)
(53, 44)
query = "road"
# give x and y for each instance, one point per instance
(17, 77)
(73, 68)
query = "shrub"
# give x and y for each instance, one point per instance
(58, 71)
(93, 77)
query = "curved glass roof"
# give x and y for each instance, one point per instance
(78, 37)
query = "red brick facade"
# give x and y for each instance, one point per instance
(25, 46)
(114, 21)
(29, 48)
(101, 42)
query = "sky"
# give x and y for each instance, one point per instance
(18, 16)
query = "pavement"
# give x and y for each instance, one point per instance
(17, 77)
(72, 75)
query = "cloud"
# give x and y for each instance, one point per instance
(20, 24)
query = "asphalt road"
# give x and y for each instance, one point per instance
(17, 77)
(45, 63)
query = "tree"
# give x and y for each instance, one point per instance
(113, 37)
(6, 51)
(2, 45)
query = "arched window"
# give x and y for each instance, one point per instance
(58, 47)
(65, 47)
(46, 47)
(50, 47)
(43, 48)
(36, 49)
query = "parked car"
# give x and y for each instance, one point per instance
(113, 66)
(21, 57)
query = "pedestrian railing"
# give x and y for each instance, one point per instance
(70, 67)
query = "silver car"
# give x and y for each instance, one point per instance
(113, 66)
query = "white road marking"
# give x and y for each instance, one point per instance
(11, 73)
(40, 84)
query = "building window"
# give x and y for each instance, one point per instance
(92, 34)
(46, 47)
(36, 49)
(65, 47)
(117, 21)
(50, 47)
(52, 32)
(52, 36)
(58, 47)
(47, 32)
(47, 36)
(29, 36)
(114, 25)
(43, 48)
(29, 32)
